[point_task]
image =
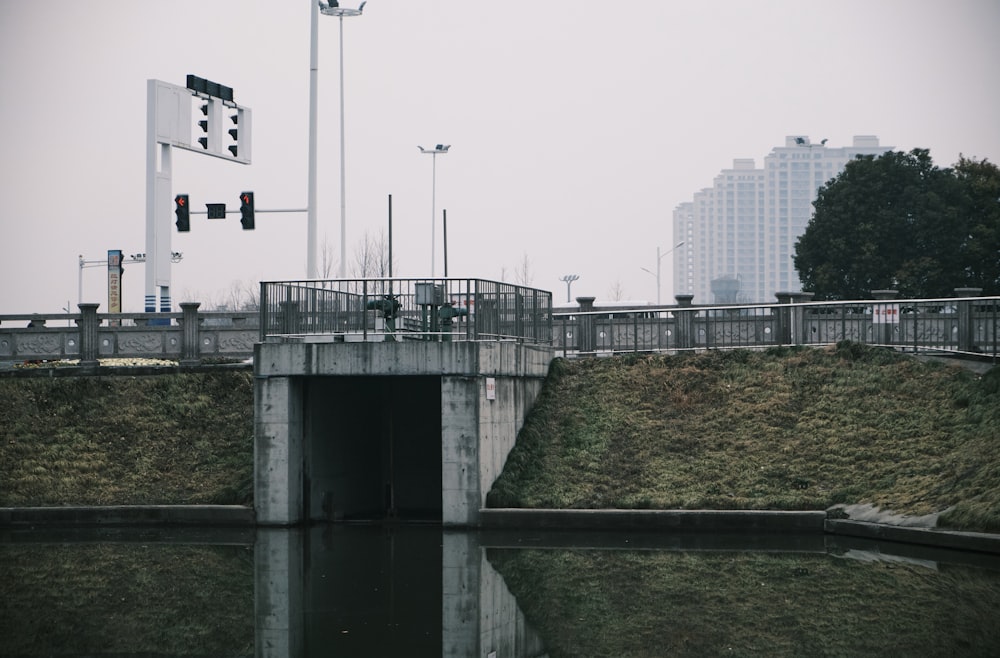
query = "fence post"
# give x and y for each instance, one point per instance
(684, 322)
(798, 316)
(783, 318)
(88, 335)
(966, 327)
(882, 333)
(585, 325)
(190, 334)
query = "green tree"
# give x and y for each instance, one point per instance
(980, 182)
(899, 222)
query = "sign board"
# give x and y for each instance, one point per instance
(115, 283)
(491, 388)
(885, 314)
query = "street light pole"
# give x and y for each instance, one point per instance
(439, 148)
(332, 9)
(311, 271)
(569, 279)
(659, 258)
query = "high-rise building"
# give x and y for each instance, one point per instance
(739, 235)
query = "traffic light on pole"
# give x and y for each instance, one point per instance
(246, 210)
(183, 210)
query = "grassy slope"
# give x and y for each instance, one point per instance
(185, 438)
(785, 429)
(792, 429)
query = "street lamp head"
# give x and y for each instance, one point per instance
(439, 148)
(334, 9)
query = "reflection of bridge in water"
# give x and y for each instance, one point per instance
(383, 590)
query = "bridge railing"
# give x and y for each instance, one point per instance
(437, 309)
(954, 324)
(189, 337)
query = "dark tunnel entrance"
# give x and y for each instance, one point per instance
(373, 448)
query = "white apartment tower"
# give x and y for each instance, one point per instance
(739, 234)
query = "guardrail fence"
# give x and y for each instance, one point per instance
(405, 309)
(476, 309)
(960, 324)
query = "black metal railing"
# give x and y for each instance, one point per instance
(954, 324)
(405, 309)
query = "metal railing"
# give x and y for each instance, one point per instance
(954, 324)
(404, 309)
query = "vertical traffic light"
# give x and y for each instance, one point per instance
(246, 210)
(203, 124)
(234, 133)
(183, 211)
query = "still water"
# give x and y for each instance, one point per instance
(388, 590)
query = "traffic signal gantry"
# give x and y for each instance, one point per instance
(173, 115)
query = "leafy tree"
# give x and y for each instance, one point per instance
(981, 250)
(898, 222)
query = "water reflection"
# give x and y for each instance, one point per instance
(420, 591)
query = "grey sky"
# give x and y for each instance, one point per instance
(576, 125)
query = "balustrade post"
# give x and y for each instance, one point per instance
(783, 318)
(190, 334)
(798, 317)
(88, 324)
(684, 322)
(882, 333)
(585, 325)
(966, 325)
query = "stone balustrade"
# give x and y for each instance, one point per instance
(189, 337)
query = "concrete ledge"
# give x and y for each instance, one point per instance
(118, 371)
(679, 520)
(117, 515)
(954, 539)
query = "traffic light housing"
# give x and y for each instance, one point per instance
(234, 133)
(183, 210)
(246, 210)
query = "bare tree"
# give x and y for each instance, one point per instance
(371, 256)
(522, 273)
(616, 292)
(326, 259)
(249, 295)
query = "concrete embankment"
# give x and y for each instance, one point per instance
(128, 515)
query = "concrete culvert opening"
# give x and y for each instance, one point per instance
(373, 448)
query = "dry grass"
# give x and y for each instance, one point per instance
(785, 429)
(175, 439)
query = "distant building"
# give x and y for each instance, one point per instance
(739, 234)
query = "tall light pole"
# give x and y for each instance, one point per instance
(440, 148)
(332, 9)
(569, 279)
(659, 257)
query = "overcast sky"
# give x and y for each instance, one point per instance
(576, 126)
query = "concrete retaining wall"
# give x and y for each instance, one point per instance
(478, 429)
